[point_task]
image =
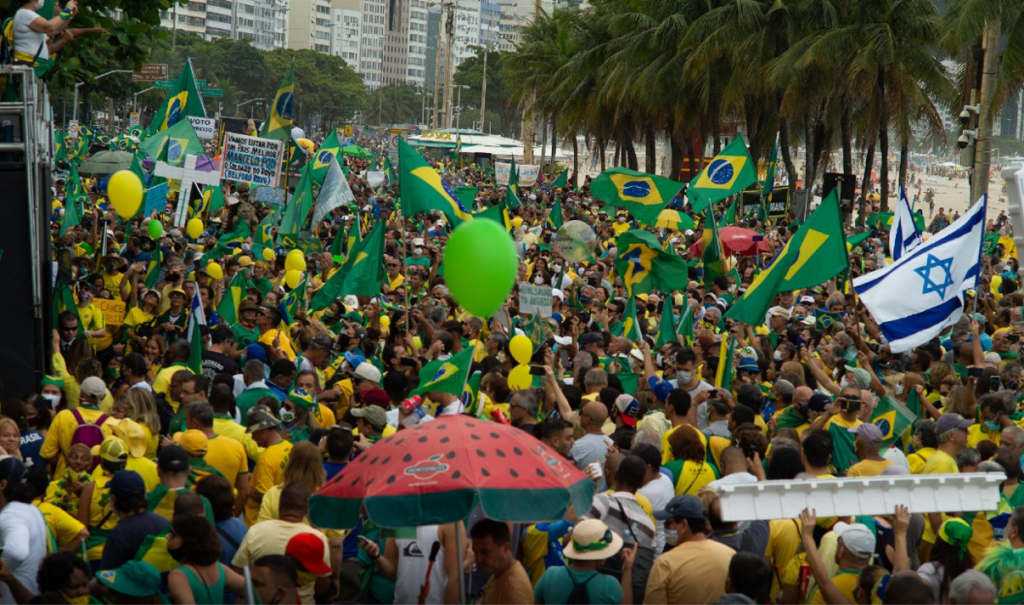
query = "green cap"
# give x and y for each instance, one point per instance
(134, 578)
(302, 399)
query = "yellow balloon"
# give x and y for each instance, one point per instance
(268, 255)
(292, 278)
(214, 270)
(521, 349)
(305, 144)
(519, 378)
(295, 261)
(194, 228)
(125, 191)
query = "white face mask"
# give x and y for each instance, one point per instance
(556, 268)
(777, 356)
(287, 415)
(538, 280)
(671, 537)
(684, 377)
(658, 359)
(842, 383)
(417, 251)
(53, 399)
(899, 389)
(40, 4)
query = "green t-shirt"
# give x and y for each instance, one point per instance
(244, 336)
(248, 398)
(422, 261)
(556, 585)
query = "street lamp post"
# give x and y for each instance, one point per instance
(247, 102)
(74, 111)
(135, 98)
(458, 103)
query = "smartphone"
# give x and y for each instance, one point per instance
(1013, 338)
(975, 372)
(364, 539)
(411, 363)
(537, 371)
(564, 355)
(994, 384)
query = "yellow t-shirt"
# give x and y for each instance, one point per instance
(268, 337)
(840, 421)
(919, 459)
(231, 429)
(98, 509)
(327, 418)
(693, 476)
(146, 469)
(868, 468)
(92, 319)
(113, 283)
(270, 508)
(64, 527)
(227, 456)
(940, 463)
(398, 281)
(783, 542)
(58, 438)
(162, 382)
(666, 449)
(846, 581)
(269, 472)
(977, 433)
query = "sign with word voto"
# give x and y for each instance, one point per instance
(251, 160)
(535, 299)
(204, 127)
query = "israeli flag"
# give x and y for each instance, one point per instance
(919, 295)
(903, 236)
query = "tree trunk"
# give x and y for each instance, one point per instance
(865, 186)
(601, 143)
(543, 143)
(618, 155)
(575, 164)
(691, 157)
(787, 158)
(651, 150)
(904, 161)
(845, 120)
(883, 144)
(676, 162)
(630, 152)
(810, 166)
(989, 75)
(554, 139)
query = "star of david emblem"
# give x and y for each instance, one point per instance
(930, 285)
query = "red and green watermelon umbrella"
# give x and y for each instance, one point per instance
(435, 472)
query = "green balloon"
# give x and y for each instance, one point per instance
(480, 266)
(155, 229)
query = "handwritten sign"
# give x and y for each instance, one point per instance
(204, 127)
(501, 173)
(535, 299)
(156, 198)
(113, 310)
(528, 174)
(251, 160)
(271, 196)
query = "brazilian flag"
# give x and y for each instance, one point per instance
(447, 375)
(230, 242)
(893, 419)
(730, 172)
(361, 274)
(857, 239)
(182, 100)
(824, 320)
(644, 266)
(685, 328)
(297, 212)
(562, 180)
(667, 325)
(423, 190)
(323, 156)
(467, 195)
(497, 213)
(153, 270)
(630, 324)
(279, 125)
(171, 145)
(643, 195)
(843, 454)
(712, 255)
(723, 375)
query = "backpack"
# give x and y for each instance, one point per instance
(579, 594)
(87, 433)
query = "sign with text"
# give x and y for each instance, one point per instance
(204, 127)
(156, 198)
(778, 207)
(528, 174)
(501, 172)
(73, 129)
(133, 118)
(535, 299)
(251, 160)
(271, 196)
(150, 72)
(113, 311)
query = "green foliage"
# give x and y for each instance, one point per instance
(394, 104)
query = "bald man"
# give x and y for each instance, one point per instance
(593, 445)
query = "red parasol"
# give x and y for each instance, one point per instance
(434, 473)
(737, 241)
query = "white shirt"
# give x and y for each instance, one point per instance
(23, 536)
(659, 491)
(27, 41)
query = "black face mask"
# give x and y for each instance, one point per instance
(176, 553)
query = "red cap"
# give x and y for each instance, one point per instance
(309, 550)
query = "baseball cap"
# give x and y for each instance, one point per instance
(131, 433)
(248, 305)
(857, 538)
(806, 300)
(367, 371)
(819, 402)
(308, 549)
(948, 422)
(134, 578)
(126, 483)
(417, 241)
(195, 443)
(660, 388)
(94, 387)
(245, 261)
(375, 416)
(173, 459)
(629, 409)
(323, 341)
(779, 312)
(261, 417)
(868, 433)
(376, 396)
(748, 364)
(113, 449)
(681, 506)
(590, 338)
(861, 376)
(354, 359)
(12, 470)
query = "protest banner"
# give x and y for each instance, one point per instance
(204, 127)
(535, 299)
(501, 173)
(528, 175)
(251, 160)
(113, 310)
(156, 198)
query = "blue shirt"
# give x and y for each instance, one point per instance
(31, 443)
(230, 532)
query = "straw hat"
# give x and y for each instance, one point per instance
(592, 541)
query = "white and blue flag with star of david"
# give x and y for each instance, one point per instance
(903, 235)
(919, 295)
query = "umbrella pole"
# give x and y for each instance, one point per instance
(461, 552)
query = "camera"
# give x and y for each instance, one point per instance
(963, 141)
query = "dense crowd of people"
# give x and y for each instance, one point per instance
(132, 475)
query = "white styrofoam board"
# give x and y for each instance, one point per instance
(860, 496)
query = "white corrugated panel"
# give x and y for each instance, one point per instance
(860, 496)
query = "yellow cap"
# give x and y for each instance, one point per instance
(194, 442)
(113, 449)
(132, 434)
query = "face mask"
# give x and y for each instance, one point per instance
(658, 359)
(671, 537)
(777, 356)
(40, 4)
(899, 389)
(621, 219)
(287, 415)
(53, 399)
(584, 299)
(538, 280)
(684, 377)
(417, 251)
(176, 553)
(992, 426)
(556, 268)
(82, 600)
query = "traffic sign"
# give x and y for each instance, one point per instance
(214, 92)
(150, 72)
(73, 129)
(165, 84)
(201, 84)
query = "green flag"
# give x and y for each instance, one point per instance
(64, 300)
(231, 241)
(446, 376)
(497, 213)
(338, 243)
(893, 419)
(361, 274)
(173, 144)
(824, 320)
(723, 375)
(768, 185)
(153, 269)
(423, 190)
(182, 100)
(76, 197)
(630, 323)
(467, 195)
(643, 195)
(562, 180)
(843, 454)
(513, 179)
(686, 324)
(196, 322)
(329, 150)
(815, 254)
(644, 266)
(730, 172)
(730, 215)
(667, 325)
(233, 295)
(555, 218)
(279, 125)
(712, 256)
(298, 208)
(264, 236)
(857, 239)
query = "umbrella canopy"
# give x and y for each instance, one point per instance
(357, 152)
(739, 241)
(435, 472)
(106, 162)
(674, 219)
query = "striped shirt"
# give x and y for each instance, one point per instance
(624, 516)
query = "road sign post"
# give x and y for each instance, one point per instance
(150, 72)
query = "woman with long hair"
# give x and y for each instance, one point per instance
(949, 557)
(142, 409)
(200, 579)
(305, 466)
(10, 434)
(297, 415)
(689, 467)
(154, 352)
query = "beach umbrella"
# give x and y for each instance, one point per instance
(674, 219)
(357, 152)
(739, 241)
(436, 472)
(106, 162)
